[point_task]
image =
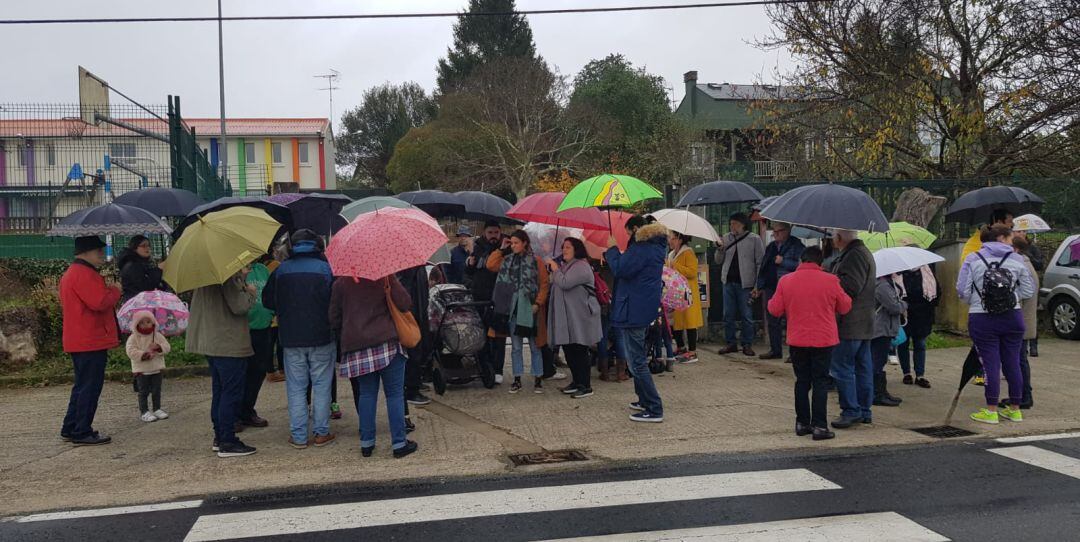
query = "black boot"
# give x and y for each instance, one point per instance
(885, 390)
(881, 397)
(1033, 348)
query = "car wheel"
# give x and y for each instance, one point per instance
(1064, 313)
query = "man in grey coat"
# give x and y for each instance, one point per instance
(744, 249)
(852, 367)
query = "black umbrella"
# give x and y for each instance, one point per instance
(280, 213)
(828, 206)
(719, 192)
(976, 206)
(972, 366)
(108, 219)
(316, 212)
(436, 203)
(484, 206)
(763, 203)
(162, 201)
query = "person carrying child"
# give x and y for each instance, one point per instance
(146, 348)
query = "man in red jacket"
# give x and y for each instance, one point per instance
(810, 298)
(89, 307)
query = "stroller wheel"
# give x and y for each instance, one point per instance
(438, 382)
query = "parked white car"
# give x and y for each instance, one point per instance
(1060, 291)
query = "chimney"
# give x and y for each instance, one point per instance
(690, 79)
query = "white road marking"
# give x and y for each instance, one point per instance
(879, 527)
(1037, 438)
(118, 511)
(1061, 464)
(501, 502)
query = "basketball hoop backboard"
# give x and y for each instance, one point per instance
(93, 97)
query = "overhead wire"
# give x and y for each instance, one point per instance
(345, 16)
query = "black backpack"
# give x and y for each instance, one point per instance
(998, 295)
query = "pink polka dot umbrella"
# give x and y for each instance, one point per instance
(383, 242)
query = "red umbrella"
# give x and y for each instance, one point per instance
(541, 207)
(618, 229)
(383, 242)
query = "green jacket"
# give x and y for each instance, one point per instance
(218, 325)
(259, 317)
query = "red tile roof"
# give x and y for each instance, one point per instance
(203, 127)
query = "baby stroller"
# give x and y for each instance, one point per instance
(458, 333)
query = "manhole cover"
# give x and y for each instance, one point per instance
(943, 431)
(544, 458)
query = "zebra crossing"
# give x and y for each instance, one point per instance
(749, 505)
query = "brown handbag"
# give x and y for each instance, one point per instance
(407, 329)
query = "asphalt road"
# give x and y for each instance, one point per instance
(981, 490)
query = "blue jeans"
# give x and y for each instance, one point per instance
(776, 327)
(737, 311)
(853, 371)
(227, 394)
(516, 358)
(632, 341)
(918, 344)
(393, 381)
(314, 365)
(85, 392)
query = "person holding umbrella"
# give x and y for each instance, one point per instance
(781, 257)
(574, 313)
(638, 288)
(852, 366)
(89, 332)
(994, 282)
(739, 256)
(138, 273)
(923, 293)
(682, 259)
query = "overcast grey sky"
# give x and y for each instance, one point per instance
(269, 65)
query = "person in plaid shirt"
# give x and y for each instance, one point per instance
(372, 354)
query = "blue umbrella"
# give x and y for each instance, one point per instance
(828, 206)
(720, 192)
(162, 201)
(109, 219)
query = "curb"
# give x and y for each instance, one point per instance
(111, 376)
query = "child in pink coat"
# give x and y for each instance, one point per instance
(146, 348)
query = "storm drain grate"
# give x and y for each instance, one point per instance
(544, 458)
(943, 431)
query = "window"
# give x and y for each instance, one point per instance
(302, 151)
(22, 151)
(122, 150)
(275, 149)
(249, 153)
(50, 154)
(1066, 259)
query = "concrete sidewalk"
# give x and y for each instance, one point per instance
(722, 404)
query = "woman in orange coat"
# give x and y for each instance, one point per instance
(516, 264)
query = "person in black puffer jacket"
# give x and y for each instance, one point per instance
(138, 273)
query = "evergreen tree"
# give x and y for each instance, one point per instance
(482, 39)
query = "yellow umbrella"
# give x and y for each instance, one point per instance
(217, 245)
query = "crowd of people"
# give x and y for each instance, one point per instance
(842, 324)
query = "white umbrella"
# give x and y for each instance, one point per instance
(686, 223)
(1030, 223)
(899, 259)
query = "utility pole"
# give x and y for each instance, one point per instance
(223, 147)
(331, 78)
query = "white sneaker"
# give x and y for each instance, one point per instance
(498, 379)
(894, 359)
(559, 375)
(148, 417)
(161, 414)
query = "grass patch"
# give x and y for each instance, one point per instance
(55, 367)
(939, 339)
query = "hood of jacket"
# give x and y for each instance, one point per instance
(995, 249)
(306, 248)
(139, 316)
(127, 256)
(652, 232)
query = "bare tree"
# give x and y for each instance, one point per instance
(932, 88)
